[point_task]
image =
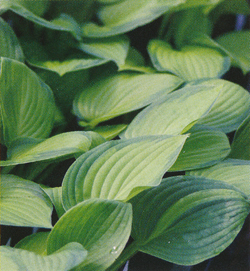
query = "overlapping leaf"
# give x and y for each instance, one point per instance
(190, 63)
(27, 104)
(24, 203)
(233, 171)
(109, 131)
(202, 149)
(187, 220)
(176, 114)
(121, 93)
(123, 16)
(101, 226)
(120, 169)
(64, 259)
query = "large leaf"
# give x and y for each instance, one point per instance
(101, 226)
(233, 171)
(69, 256)
(63, 145)
(123, 16)
(27, 104)
(202, 149)
(9, 44)
(121, 93)
(120, 169)
(187, 220)
(24, 203)
(237, 44)
(241, 146)
(190, 63)
(175, 114)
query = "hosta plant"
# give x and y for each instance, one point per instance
(120, 118)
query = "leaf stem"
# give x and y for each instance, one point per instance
(127, 253)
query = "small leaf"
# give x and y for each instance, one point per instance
(24, 203)
(101, 226)
(233, 171)
(64, 259)
(202, 149)
(63, 145)
(176, 113)
(27, 104)
(120, 169)
(9, 44)
(191, 63)
(121, 93)
(241, 146)
(188, 219)
(109, 131)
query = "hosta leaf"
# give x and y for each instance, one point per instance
(109, 131)
(24, 203)
(36, 242)
(63, 145)
(191, 63)
(202, 149)
(120, 169)
(113, 48)
(9, 44)
(241, 146)
(233, 171)
(188, 219)
(230, 109)
(124, 16)
(69, 256)
(27, 104)
(121, 93)
(175, 114)
(237, 44)
(193, 3)
(235, 7)
(101, 226)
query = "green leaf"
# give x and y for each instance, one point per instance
(230, 109)
(27, 103)
(36, 242)
(120, 169)
(241, 146)
(63, 145)
(101, 226)
(175, 114)
(9, 44)
(24, 203)
(188, 219)
(123, 16)
(237, 44)
(233, 171)
(121, 93)
(14, 259)
(202, 149)
(193, 3)
(112, 48)
(190, 63)
(234, 7)
(109, 131)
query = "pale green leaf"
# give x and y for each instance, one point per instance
(9, 44)
(24, 203)
(27, 103)
(186, 219)
(237, 44)
(120, 169)
(109, 131)
(63, 145)
(36, 242)
(123, 16)
(112, 48)
(241, 146)
(101, 226)
(175, 114)
(190, 63)
(202, 149)
(233, 171)
(15, 259)
(118, 94)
